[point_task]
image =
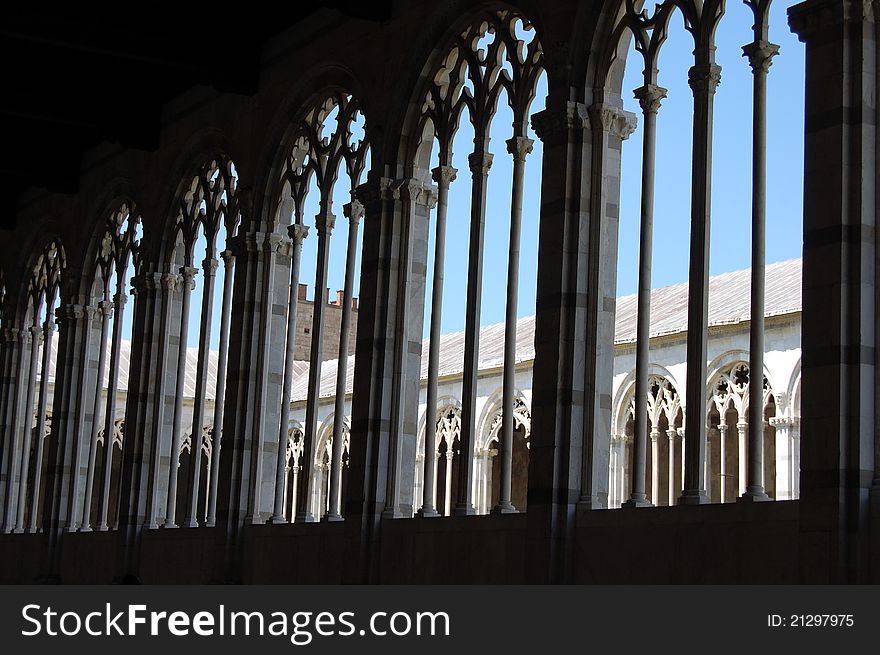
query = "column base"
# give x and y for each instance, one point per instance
(634, 503)
(506, 508)
(305, 517)
(693, 497)
(590, 503)
(170, 526)
(427, 513)
(277, 520)
(21, 531)
(754, 496)
(463, 510)
(84, 528)
(102, 528)
(332, 518)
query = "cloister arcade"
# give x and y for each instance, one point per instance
(157, 424)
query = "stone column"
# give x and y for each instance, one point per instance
(722, 447)
(324, 224)
(519, 147)
(443, 176)
(187, 284)
(742, 436)
(649, 97)
(655, 466)
(209, 266)
(8, 402)
(220, 392)
(782, 425)
(27, 419)
(14, 447)
(80, 431)
(671, 437)
(480, 161)
(297, 233)
(353, 211)
(48, 330)
(596, 269)
(703, 77)
(760, 53)
(105, 310)
(164, 286)
(119, 301)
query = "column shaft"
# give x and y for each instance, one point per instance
(297, 233)
(354, 212)
(119, 301)
(220, 392)
(480, 161)
(48, 329)
(26, 425)
(324, 224)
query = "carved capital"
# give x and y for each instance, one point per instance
(353, 211)
(188, 276)
(480, 162)
(519, 147)
(169, 281)
(704, 78)
(760, 54)
(814, 17)
(415, 191)
(650, 97)
(443, 175)
(324, 223)
(209, 265)
(555, 126)
(613, 120)
(105, 307)
(297, 232)
(36, 334)
(228, 258)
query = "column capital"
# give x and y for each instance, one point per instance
(168, 281)
(480, 161)
(209, 265)
(324, 223)
(650, 96)
(444, 175)
(353, 211)
(119, 299)
(105, 307)
(814, 17)
(228, 257)
(760, 55)
(554, 126)
(613, 120)
(704, 78)
(519, 147)
(36, 333)
(188, 275)
(297, 232)
(413, 190)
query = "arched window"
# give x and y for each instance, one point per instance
(115, 261)
(25, 477)
(208, 215)
(497, 55)
(329, 143)
(696, 62)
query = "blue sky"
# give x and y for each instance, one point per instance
(731, 192)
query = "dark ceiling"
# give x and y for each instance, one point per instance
(71, 80)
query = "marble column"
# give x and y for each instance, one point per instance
(220, 390)
(703, 78)
(353, 211)
(649, 97)
(443, 176)
(742, 428)
(760, 53)
(105, 311)
(518, 147)
(480, 161)
(297, 232)
(48, 331)
(193, 474)
(722, 448)
(188, 274)
(28, 418)
(324, 223)
(655, 466)
(119, 301)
